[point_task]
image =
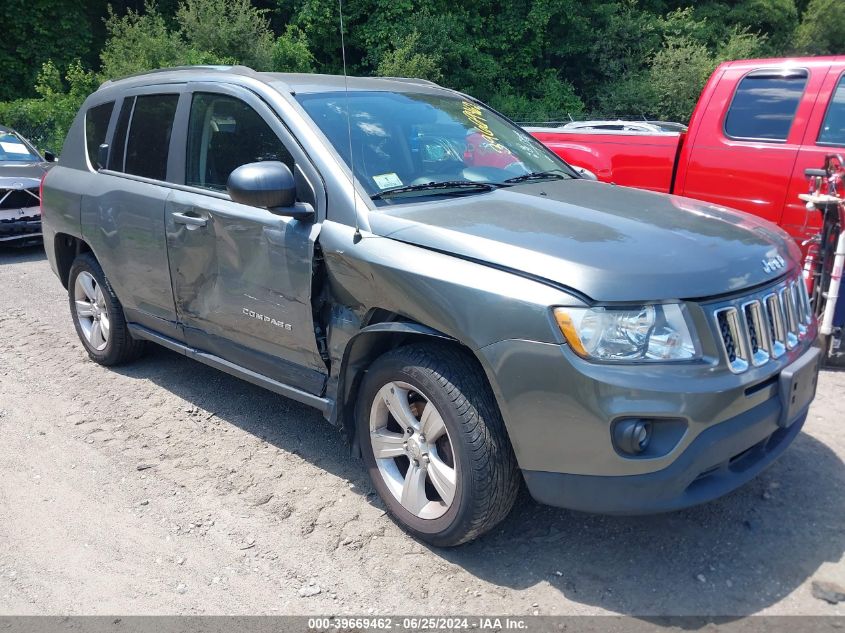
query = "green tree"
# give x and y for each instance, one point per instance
(35, 31)
(822, 29)
(141, 41)
(407, 61)
(291, 52)
(228, 29)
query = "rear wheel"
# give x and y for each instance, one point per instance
(98, 315)
(435, 444)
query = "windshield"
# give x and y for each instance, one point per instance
(13, 148)
(407, 141)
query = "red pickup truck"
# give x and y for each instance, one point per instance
(757, 125)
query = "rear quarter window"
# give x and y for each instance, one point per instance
(833, 127)
(96, 125)
(764, 105)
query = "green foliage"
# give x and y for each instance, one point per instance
(35, 31)
(822, 29)
(227, 29)
(532, 59)
(140, 41)
(45, 120)
(291, 52)
(406, 60)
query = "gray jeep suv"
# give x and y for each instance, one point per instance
(448, 292)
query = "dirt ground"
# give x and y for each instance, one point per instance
(167, 487)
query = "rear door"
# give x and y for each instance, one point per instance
(241, 275)
(750, 138)
(825, 134)
(123, 208)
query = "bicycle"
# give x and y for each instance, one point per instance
(825, 257)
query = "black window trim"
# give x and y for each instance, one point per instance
(839, 83)
(128, 128)
(771, 73)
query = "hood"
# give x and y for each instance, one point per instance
(610, 243)
(28, 173)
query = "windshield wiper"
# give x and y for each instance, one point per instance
(458, 187)
(537, 175)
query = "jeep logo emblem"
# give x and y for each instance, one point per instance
(773, 264)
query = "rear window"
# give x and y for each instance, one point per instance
(833, 126)
(148, 141)
(96, 125)
(764, 105)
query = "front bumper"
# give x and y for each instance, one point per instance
(721, 459)
(22, 225)
(559, 411)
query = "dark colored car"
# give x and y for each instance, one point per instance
(21, 169)
(445, 289)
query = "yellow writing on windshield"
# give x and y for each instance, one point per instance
(476, 117)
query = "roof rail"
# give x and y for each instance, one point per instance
(412, 80)
(237, 70)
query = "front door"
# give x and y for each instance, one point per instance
(242, 275)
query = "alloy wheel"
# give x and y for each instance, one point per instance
(91, 310)
(413, 451)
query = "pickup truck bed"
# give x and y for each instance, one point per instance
(634, 159)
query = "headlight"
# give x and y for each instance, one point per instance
(641, 333)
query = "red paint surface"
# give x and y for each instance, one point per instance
(762, 178)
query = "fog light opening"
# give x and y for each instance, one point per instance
(632, 436)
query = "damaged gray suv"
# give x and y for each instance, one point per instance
(465, 306)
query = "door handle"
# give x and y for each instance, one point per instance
(189, 220)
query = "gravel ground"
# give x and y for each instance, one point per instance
(167, 487)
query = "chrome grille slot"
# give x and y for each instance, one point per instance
(777, 327)
(733, 338)
(758, 328)
(804, 302)
(790, 316)
(758, 332)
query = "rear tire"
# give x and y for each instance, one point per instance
(98, 315)
(466, 478)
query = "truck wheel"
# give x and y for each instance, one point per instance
(435, 444)
(98, 315)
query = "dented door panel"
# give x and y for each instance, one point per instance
(242, 284)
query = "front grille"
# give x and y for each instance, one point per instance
(761, 327)
(19, 198)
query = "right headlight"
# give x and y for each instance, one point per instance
(654, 332)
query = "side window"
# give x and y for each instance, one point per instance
(96, 125)
(833, 126)
(764, 106)
(117, 151)
(223, 134)
(148, 141)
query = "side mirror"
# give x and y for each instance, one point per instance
(102, 156)
(49, 156)
(584, 172)
(270, 185)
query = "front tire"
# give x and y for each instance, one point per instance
(98, 315)
(435, 444)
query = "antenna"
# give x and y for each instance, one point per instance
(357, 236)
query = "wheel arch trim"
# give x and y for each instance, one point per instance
(363, 348)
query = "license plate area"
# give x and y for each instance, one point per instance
(798, 384)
